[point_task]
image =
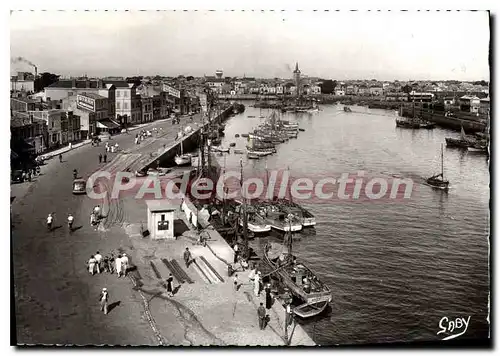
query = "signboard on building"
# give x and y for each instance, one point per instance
(171, 91)
(84, 102)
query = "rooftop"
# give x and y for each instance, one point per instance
(161, 205)
(93, 96)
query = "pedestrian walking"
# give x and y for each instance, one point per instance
(70, 222)
(256, 284)
(91, 264)
(269, 298)
(170, 286)
(97, 211)
(125, 264)
(235, 248)
(98, 259)
(49, 221)
(60, 157)
(105, 264)
(105, 158)
(187, 257)
(261, 313)
(103, 300)
(118, 265)
(93, 221)
(289, 315)
(100, 157)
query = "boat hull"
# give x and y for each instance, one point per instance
(314, 302)
(183, 160)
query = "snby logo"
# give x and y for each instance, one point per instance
(453, 328)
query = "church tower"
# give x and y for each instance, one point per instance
(296, 78)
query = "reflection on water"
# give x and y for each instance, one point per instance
(395, 267)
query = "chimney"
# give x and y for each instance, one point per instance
(36, 72)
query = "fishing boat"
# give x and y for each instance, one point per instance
(255, 223)
(252, 155)
(288, 206)
(479, 147)
(182, 159)
(302, 130)
(221, 149)
(238, 151)
(279, 220)
(232, 144)
(438, 181)
(462, 142)
(303, 283)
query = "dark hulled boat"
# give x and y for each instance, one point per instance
(300, 280)
(438, 181)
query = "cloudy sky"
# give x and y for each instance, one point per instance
(338, 45)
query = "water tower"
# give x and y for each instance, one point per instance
(219, 73)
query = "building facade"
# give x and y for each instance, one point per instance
(128, 105)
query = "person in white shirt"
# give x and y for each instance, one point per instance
(256, 284)
(91, 263)
(97, 211)
(49, 221)
(125, 264)
(103, 300)
(70, 222)
(98, 259)
(118, 265)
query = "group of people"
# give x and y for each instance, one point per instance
(103, 158)
(50, 221)
(141, 136)
(108, 264)
(29, 173)
(113, 148)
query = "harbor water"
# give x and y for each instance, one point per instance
(395, 268)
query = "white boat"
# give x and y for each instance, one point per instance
(183, 159)
(220, 149)
(260, 153)
(256, 227)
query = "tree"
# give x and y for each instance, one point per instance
(135, 80)
(328, 86)
(406, 89)
(189, 77)
(44, 80)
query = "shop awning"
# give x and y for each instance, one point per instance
(107, 124)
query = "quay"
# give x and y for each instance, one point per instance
(206, 312)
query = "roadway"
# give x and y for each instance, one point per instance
(56, 299)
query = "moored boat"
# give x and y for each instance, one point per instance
(300, 280)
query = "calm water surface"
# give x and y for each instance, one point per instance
(395, 268)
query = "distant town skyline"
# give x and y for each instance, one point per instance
(331, 45)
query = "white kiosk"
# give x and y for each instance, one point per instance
(161, 219)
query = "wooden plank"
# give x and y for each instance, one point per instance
(202, 272)
(181, 271)
(212, 269)
(173, 270)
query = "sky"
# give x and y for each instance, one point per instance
(335, 45)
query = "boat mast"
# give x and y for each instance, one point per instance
(245, 221)
(289, 188)
(224, 194)
(442, 162)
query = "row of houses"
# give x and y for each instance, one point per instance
(249, 85)
(72, 110)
